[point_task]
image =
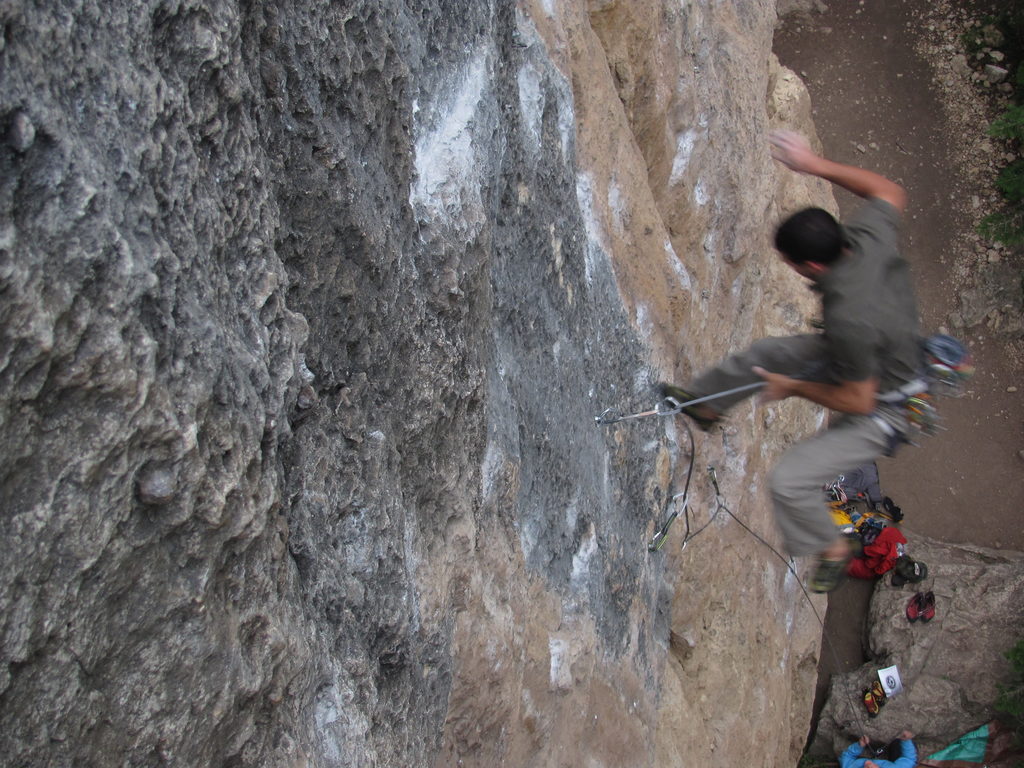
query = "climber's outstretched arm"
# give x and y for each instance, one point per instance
(846, 396)
(792, 150)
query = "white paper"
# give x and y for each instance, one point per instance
(890, 680)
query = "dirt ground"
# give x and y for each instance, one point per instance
(886, 98)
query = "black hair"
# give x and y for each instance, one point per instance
(812, 234)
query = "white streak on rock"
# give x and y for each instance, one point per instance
(685, 281)
(643, 321)
(709, 245)
(325, 714)
(700, 193)
(736, 289)
(581, 560)
(560, 675)
(490, 469)
(684, 149)
(615, 205)
(595, 233)
(566, 119)
(531, 103)
(447, 170)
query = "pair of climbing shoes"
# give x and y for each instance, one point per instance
(921, 607)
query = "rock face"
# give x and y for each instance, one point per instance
(951, 666)
(307, 310)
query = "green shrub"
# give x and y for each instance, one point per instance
(1010, 125)
(1007, 225)
(1010, 700)
(986, 33)
(1011, 182)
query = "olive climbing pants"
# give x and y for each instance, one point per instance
(796, 483)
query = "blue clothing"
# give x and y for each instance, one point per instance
(851, 757)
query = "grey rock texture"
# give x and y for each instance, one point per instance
(951, 666)
(307, 310)
(149, 365)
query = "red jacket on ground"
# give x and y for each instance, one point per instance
(878, 557)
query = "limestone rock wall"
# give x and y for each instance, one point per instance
(307, 309)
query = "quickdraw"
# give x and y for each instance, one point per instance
(659, 538)
(669, 406)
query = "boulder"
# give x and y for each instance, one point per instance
(950, 667)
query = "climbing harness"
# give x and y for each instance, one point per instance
(945, 367)
(669, 406)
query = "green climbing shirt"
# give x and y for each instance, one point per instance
(870, 316)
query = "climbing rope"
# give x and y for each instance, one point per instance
(860, 715)
(659, 538)
(661, 535)
(925, 420)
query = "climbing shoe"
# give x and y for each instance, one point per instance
(879, 693)
(914, 607)
(927, 606)
(828, 574)
(677, 396)
(871, 703)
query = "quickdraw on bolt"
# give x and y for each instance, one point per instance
(669, 406)
(714, 479)
(659, 538)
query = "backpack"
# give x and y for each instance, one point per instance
(877, 750)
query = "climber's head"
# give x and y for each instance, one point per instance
(810, 237)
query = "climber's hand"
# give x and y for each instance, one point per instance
(777, 386)
(792, 150)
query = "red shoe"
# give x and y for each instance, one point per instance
(915, 606)
(927, 606)
(879, 693)
(871, 703)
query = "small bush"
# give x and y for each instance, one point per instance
(985, 34)
(1005, 227)
(1007, 224)
(1010, 125)
(1011, 694)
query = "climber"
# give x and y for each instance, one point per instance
(869, 348)
(853, 756)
